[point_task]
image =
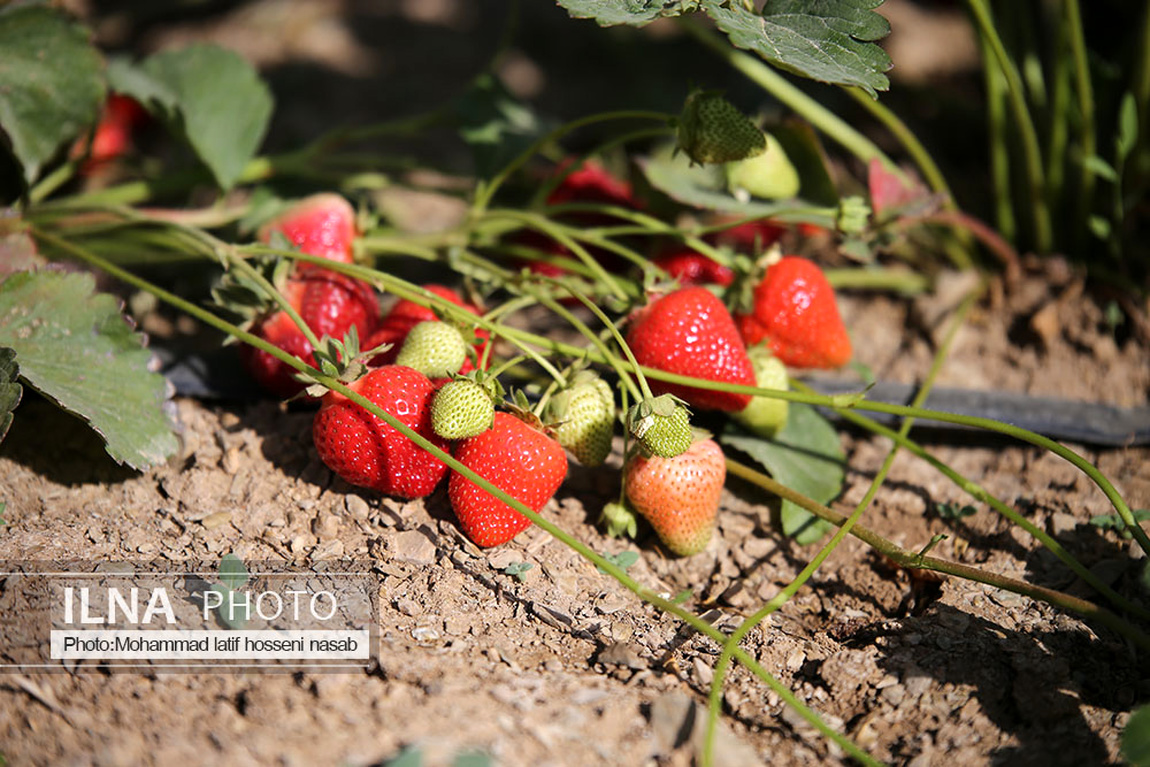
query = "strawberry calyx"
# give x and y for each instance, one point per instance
(342, 360)
(748, 275)
(661, 425)
(243, 296)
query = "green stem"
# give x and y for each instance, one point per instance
(999, 145)
(1086, 132)
(278, 297)
(1016, 96)
(559, 233)
(1060, 91)
(819, 116)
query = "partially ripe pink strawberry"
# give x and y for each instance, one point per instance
(679, 496)
(365, 451)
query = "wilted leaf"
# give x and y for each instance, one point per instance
(74, 347)
(806, 457)
(221, 106)
(51, 83)
(830, 40)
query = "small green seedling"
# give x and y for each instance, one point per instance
(518, 569)
(953, 512)
(622, 560)
(1114, 522)
(233, 575)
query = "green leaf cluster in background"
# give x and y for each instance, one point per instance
(51, 83)
(832, 41)
(210, 96)
(806, 457)
(75, 347)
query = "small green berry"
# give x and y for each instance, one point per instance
(585, 418)
(764, 416)
(434, 348)
(769, 175)
(662, 426)
(713, 130)
(461, 409)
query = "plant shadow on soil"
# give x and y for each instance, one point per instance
(59, 446)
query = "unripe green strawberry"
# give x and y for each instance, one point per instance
(679, 496)
(764, 416)
(461, 409)
(436, 349)
(713, 130)
(662, 425)
(585, 418)
(769, 175)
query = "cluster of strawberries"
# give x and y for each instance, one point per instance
(671, 477)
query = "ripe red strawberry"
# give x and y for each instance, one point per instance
(691, 333)
(121, 117)
(516, 458)
(320, 225)
(691, 268)
(365, 451)
(795, 313)
(331, 304)
(405, 315)
(679, 496)
(591, 182)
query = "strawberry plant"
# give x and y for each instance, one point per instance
(607, 297)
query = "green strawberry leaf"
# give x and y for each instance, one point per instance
(51, 83)
(131, 79)
(635, 13)
(806, 457)
(211, 97)
(232, 611)
(832, 41)
(1136, 738)
(10, 390)
(495, 125)
(75, 348)
(705, 186)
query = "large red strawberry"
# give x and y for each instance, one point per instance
(794, 312)
(365, 451)
(515, 457)
(692, 268)
(320, 225)
(691, 333)
(679, 496)
(405, 315)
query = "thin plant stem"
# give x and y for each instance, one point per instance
(1016, 99)
(1084, 90)
(999, 144)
